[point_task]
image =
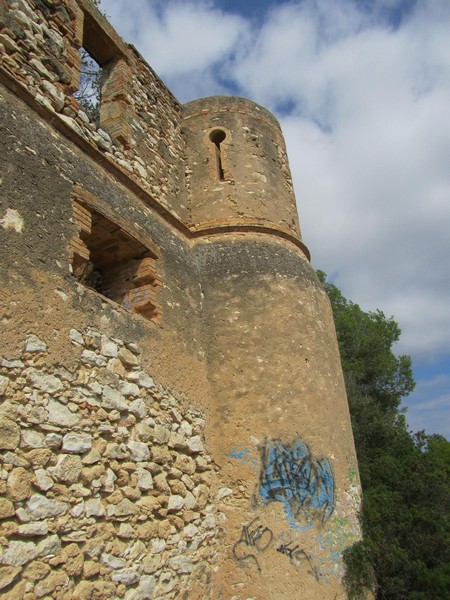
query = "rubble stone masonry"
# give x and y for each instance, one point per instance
(173, 417)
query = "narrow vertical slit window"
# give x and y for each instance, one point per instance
(217, 137)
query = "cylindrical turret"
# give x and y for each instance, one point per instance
(237, 168)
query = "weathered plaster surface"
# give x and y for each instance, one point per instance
(205, 453)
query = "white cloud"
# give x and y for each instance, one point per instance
(183, 40)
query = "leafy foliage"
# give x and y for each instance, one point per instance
(405, 554)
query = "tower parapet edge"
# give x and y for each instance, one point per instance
(237, 166)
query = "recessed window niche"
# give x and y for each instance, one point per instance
(107, 259)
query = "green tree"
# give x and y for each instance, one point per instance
(405, 554)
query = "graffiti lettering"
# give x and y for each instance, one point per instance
(291, 552)
(304, 485)
(255, 538)
(297, 554)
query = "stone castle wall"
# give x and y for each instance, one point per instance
(105, 480)
(102, 420)
(173, 418)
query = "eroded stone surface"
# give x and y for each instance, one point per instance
(9, 434)
(84, 478)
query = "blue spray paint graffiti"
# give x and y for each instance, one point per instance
(244, 456)
(304, 485)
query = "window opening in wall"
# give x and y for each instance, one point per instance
(217, 137)
(90, 91)
(107, 259)
(96, 53)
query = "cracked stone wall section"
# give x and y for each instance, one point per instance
(139, 129)
(107, 489)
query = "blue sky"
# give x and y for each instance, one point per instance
(362, 91)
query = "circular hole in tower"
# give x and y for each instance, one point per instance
(217, 136)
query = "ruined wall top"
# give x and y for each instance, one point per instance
(143, 135)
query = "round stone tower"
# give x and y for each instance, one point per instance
(278, 421)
